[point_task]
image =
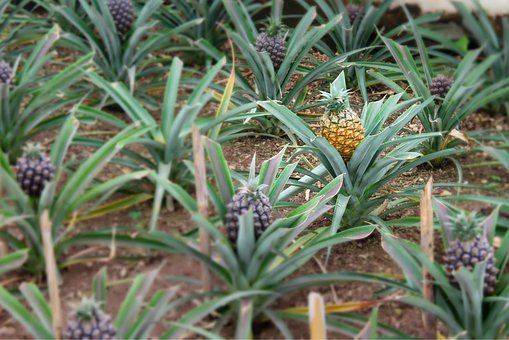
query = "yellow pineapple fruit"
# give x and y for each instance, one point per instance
(340, 125)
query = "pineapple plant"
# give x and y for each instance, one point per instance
(258, 193)
(469, 286)
(138, 314)
(272, 41)
(340, 125)
(254, 271)
(286, 50)
(122, 13)
(440, 86)
(36, 99)
(123, 50)
(276, 58)
(36, 173)
(453, 103)
(33, 170)
(89, 322)
(6, 73)
(376, 152)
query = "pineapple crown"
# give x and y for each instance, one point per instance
(273, 28)
(33, 151)
(465, 226)
(254, 193)
(87, 309)
(251, 185)
(444, 76)
(335, 100)
(5, 65)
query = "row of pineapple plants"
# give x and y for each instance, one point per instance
(254, 252)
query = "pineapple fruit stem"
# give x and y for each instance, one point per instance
(33, 151)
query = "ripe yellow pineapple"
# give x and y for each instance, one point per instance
(340, 125)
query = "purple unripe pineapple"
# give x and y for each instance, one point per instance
(272, 41)
(468, 248)
(33, 170)
(6, 73)
(122, 13)
(440, 86)
(241, 202)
